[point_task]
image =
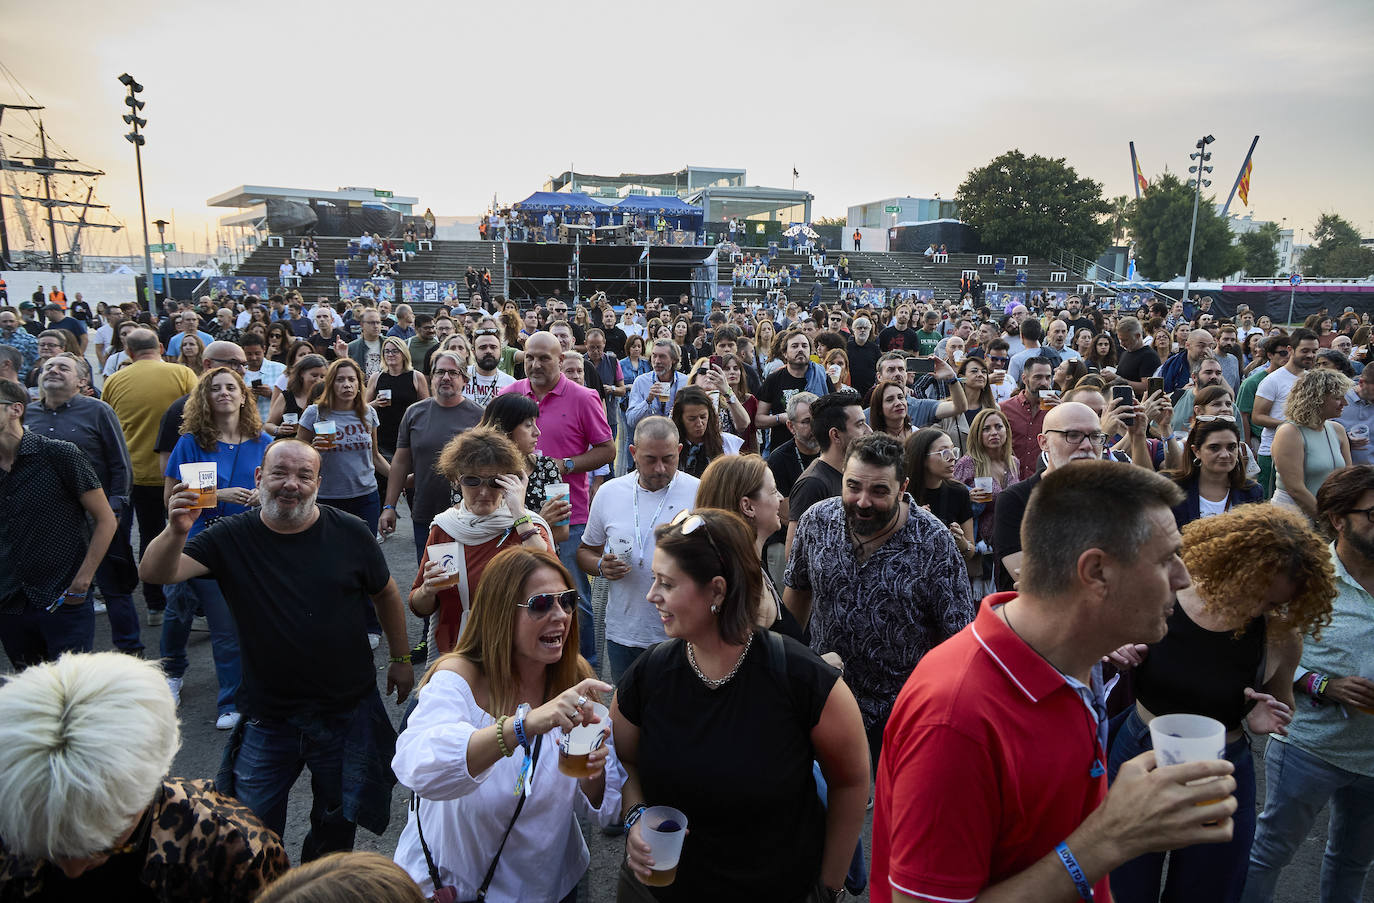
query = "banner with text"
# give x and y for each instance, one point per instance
(239, 286)
(351, 290)
(428, 291)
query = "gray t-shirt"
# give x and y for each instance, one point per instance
(347, 470)
(425, 430)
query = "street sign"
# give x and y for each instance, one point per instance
(892, 209)
(382, 194)
(162, 249)
(1295, 279)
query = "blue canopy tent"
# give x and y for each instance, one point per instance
(567, 203)
(679, 213)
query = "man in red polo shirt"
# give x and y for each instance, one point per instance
(992, 784)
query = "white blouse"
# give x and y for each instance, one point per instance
(465, 815)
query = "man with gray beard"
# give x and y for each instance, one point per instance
(297, 577)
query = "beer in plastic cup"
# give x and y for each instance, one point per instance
(1047, 398)
(201, 476)
(559, 491)
(664, 391)
(446, 553)
(1183, 738)
(290, 419)
(328, 431)
(620, 547)
(384, 395)
(983, 488)
(663, 829)
(577, 744)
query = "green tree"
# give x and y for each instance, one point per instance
(1337, 252)
(1034, 205)
(831, 221)
(1160, 223)
(1261, 259)
(1121, 211)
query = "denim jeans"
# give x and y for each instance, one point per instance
(586, 621)
(1211, 872)
(271, 757)
(151, 513)
(116, 577)
(224, 636)
(621, 658)
(1297, 785)
(369, 509)
(35, 636)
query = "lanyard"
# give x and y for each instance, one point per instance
(639, 535)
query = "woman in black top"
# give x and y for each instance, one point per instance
(698, 426)
(726, 733)
(1261, 579)
(744, 484)
(302, 388)
(407, 387)
(930, 456)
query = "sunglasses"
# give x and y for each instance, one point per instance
(472, 482)
(540, 604)
(1208, 418)
(689, 523)
(481, 332)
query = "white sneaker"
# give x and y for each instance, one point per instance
(374, 641)
(228, 721)
(174, 684)
(99, 607)
(154, 618)
(199, 624)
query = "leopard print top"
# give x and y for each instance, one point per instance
(204, 846)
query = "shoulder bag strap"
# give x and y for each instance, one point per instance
(491, 870)
(419, 829)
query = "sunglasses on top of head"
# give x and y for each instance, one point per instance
(540, 604)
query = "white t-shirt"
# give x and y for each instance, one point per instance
(104, 336)
(1210, 509)
(630, 619)
(269, 374)
(482, 389)
(1275, 387)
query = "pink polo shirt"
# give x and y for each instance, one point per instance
(571, 420)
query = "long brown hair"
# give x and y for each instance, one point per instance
(982, 457)
(488, 638)
(198, 420)
(728, 479)
(876, 418)
(326, 402)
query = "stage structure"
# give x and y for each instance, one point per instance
(534, 270)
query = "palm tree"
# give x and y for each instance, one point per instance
(1121, 208)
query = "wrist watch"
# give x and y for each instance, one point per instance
(567, 465)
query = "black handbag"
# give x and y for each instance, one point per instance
(449, 893)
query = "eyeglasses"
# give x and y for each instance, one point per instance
(472, 482)
(998, 360)
(1076, 437)
(391, 351)
(540, 604)
(444, 371)
(688, 523)
(1208, 418)
(233, 365)
(944, 454)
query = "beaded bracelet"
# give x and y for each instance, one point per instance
(501, 737)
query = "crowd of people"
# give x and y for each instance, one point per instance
(717, 583)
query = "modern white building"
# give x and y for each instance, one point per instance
(889, 212)
(1287, 251)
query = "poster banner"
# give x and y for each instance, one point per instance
(870, 297)
(1005, 299)
(239, 286)
(1056, 299)
(907, 293)
(428, 291)
(351, 290)
(725, 294)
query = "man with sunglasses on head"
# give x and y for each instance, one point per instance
(618, 543)
(309, 695)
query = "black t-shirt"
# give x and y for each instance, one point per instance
(169, 428)
(298, 599)
(863, 365)
(892, 338)
(817, 483)
(1138, 364)
(718, 755)
(780, 386)
(1006, 519)
(787, 463)
(615, 341)
(1080, 323)
(950, 503)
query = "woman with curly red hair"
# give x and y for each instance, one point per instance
(1262, 577)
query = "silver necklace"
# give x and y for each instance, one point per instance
(717, 684)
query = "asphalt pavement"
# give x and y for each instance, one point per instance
(203, 745)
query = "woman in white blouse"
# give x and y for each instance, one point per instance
(484, 710)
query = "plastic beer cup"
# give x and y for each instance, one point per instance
(620, 547)
(577, 744)
(326, 430)
(1048, 397)
(201, 476)
(559, 491)
(982, 489)
(446, 554)
(664, 829)
(1184, 738)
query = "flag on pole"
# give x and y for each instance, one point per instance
(1243, 187)
(1140, 178)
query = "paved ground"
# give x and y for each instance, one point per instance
(202, 746)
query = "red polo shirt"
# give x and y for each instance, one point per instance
(1025, 419)
(990, 760)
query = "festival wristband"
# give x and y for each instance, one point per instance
(400, 659)
(634, 815)
(1080, 880)
(388, 507)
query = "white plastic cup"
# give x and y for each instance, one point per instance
(620, 547)
(384, 395)
(290, 419)
(559, 491)
(328, 431)
(446, 553)
(664, 828)
(984, 487)
(575, 745)
(1187, 738)
(1360, 431)
(203, 478)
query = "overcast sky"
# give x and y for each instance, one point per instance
(455, 102)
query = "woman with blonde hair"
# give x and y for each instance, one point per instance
(405, 386)
(490, 516)
(191, 354)
(1311, 443)
(220, 426)
(1262, 578)
(479, 728)
(344, 876)
(987, 467)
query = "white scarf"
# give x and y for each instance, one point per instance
(474, 529)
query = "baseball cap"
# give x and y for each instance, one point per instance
(27, 305)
